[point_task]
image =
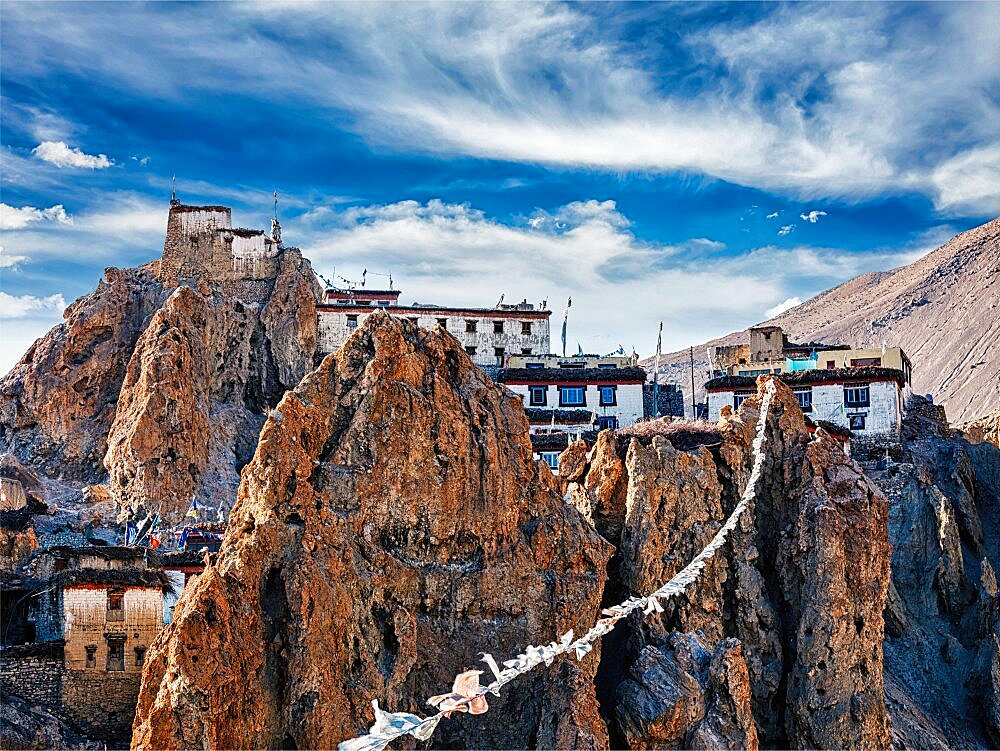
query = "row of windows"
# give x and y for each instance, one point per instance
(471, 326)
(858, 395)
(116, 656)
(572, 396)
(498, 352)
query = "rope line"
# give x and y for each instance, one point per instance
(467, 695)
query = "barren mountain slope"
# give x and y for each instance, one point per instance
(943, 310)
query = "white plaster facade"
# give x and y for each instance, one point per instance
(627, 408)
(882, 416)
(497, 332)
(205, 220)
(89, 622)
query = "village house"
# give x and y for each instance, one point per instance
(92, 613)
(769, 351)
(866, 400)
(489, 335)
(573, 396)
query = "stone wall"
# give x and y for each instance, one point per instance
(35, 678)
(100, 704)
(671, 399)
(202, 243)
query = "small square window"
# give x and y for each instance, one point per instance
(572, 396)
(525, 327)
(91, 655)
(740, 397)
(470, 327)
(608, 396)
(856, 422)
(805, 399)
(140, 657)
(498, 327)
(607, 423)
(552, 459)
(443, 323)
(831, 364)
(352, 321)
(538, 395)
(470, 351)
(526, 351)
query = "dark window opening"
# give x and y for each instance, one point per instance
(352, 321)
(856, 422)
(116, 606)
(526, 351)
(856, 396)
(805, 399)
(140, 656)
(866, 362)
(831, 364)
(116, 655)
(608, 396)
(498, 352)
(443, 323)
(91, 655)
(538, 395)
(607, 423)
(533, 365)
(740, 397)
(498, 327)
(470, 351)
(525, 327)
(470, 327)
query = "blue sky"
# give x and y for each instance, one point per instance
(696, 163)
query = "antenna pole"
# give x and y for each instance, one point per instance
(694, 411)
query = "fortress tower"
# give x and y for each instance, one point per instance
(201, 243)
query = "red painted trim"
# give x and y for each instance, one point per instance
(106, 586)
(572, 384)
(840, 382)
(407, 311)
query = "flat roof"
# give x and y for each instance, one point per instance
(593, 376)
(434, 310)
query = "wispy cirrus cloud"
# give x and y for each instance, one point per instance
(808, 100)
(62, 155)
(8, 261)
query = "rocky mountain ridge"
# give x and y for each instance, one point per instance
(161, 388)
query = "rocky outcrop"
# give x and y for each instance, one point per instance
(391, 526)
(163, 388)
(684, 696)
(941, 653)
(23, 726)
(801, 586)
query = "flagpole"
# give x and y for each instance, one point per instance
(569, 302)
(656, 371)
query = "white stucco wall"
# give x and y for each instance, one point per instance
(628, 409)
(883, 416)
(196, 222)
(334, 330)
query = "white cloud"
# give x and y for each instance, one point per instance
(781, 307)
(812, 217)
(969, 182)
(7, 261)
(814, 100)
(20, 306)
(12, 217)
(773, 215)
(61, 155)
(455, 254)
(786, 230)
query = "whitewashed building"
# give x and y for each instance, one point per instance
(868, 401)
(489, 335)
(576, 394)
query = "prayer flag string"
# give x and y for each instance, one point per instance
(468, 695)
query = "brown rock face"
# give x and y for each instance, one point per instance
(391, 526)
(165, 388)
(801, 585)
